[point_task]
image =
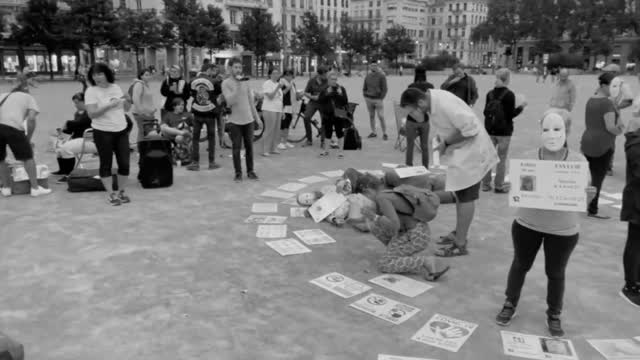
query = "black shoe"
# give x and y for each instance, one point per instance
(252, 175)
(385, 137)
(213, 166)
(631, 294)
(555, 326)
(308, 143)
(507, 313)
(372, 135)
(601, 217)
(500, 191)
(238, 178)
(63, 179)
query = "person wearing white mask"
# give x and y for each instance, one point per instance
(558, 231)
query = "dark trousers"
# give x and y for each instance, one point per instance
(109, 143)
(242, 134)
(413, 130)
(310, 110)
(557, 250)
(631, 257)
(198, 122)
(598, 167)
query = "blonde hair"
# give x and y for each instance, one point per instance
(503, 75)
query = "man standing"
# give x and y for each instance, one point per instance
(235, 90)
(205, 90)
(375, 90)
(16, 107)
(312, 91)
(461, 85)
(499, 111)
(460, 137)
(564, 92)
(621, 96)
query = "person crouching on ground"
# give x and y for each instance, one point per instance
(533, 228)
(174, 122)
(333, 101)
(400, 223)
(76, 144)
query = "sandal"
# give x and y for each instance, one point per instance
(452, 251)
(436, 275)
(448, 239)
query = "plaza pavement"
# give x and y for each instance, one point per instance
(176, 274)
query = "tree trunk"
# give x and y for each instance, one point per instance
(185, 61)
(137, 52)
(50, 53)
(211, 55)
(59, 61)
(21, 60)
(92, 53)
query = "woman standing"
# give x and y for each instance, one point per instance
(172, 87)
(556, 230)
(598, 139)
(143, 107)
(106, 106)
(272, 106)
(289, 100)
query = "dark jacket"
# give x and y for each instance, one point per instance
(205, 91)
(183, 91)
(421, 85)
(631, 193)
(375, 85)
(332, 100)
(78, 125)
(509, 109)
(314, 87)
(464, 88)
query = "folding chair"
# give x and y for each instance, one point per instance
(87, 136)
(401, 118)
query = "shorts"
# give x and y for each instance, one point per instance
(17, 142)
(331, 123)
(470, 194)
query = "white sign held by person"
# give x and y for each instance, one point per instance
(549, 185)
(445, 332)
(384, 308)
(340, 285)
(537, 347)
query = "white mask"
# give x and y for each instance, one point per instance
(554, 132)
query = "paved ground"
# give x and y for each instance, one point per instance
(177, 274)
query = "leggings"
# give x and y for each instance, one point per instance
(109, 143)
(286, 121)
(598, 167)
(631, 257)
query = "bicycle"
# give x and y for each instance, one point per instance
(298, 134)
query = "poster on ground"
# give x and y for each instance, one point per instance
(340, 285)
(277, 194)
(384, 308)
(537, 347)
(286, 247)
(401, 284)
(326, 205)
(264, 208)
(395, 357)
(549, 185)
(445, 332)
(271, 231)
(410, 171)
(617, 349)
(312, 179)
(297, 212)
(314, 237)
(265, 219)
(333, 173)
(292, 187)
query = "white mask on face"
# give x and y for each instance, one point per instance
(554, 132)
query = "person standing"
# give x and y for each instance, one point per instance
(173, 86)
(557, 231)
(564, 92)
(462, 85)
(461, 137)
(499, 111)
(143, 108)
(621, 96)
(598, 140)
(374, 90)
(106, 106)
(420, 80)
(417, 124)
(289, 101)
(333, 101)
(205, 91)
(16, 108)
(235, 90)
(312, 91)
(272, 105)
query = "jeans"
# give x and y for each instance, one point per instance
(502, 145)
(198, 123)
(242, 134)
(598, 167)
(310, 110)
(631, 257)
(271, 134)
(376, 106)
(109, 143)
(557, 250)
(414, 130)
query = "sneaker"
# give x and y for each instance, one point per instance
(486, 187)
(501, 191)
(124, 199)
(372, 135)
(631, 294)
(308, 143)
(507, 313)
(282, 146)
(5, 191)
(385, 137)
(40, 191)
(63, 179)
(114, 200)
(213, 166)
(274, 153)
(252, 175)
(265, 154)
(237, 178)
(555, 326)
(193, 167)
(289, 145)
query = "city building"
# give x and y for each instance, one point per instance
(291, 18)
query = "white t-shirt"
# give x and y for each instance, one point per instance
(14, 110)
(112, 120)
(274, 104)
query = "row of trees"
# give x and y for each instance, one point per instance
(590, 25)
(89, 24)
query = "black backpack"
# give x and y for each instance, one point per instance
(156, 168)
(494, 116)
(352, 139)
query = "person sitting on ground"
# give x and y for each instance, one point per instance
(333, 99)
(68, 150)
(400, 223)
(174, 123)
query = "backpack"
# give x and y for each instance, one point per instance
(352, 139)
(494, 116)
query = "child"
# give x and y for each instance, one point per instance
(174, 122)
(68, 150)
(557, 230)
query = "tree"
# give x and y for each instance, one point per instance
(93, 23)
(354, 40)
(634, 55)
(396, 42)
(218, 32)
(311, 37)
(142, 29)
(503, 23)
(39, 23)
(258, 34)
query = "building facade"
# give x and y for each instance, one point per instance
(292, 12)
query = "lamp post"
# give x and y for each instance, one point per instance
(417, 53)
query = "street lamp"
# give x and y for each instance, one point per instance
(417, 54)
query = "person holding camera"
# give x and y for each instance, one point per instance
(333, 102)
